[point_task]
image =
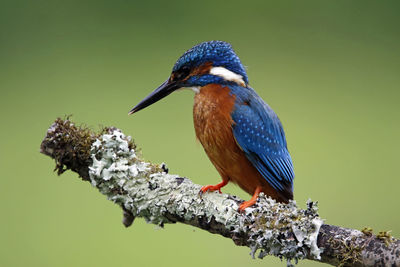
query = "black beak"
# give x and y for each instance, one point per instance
(162, 91)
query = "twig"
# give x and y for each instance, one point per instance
(109, 161)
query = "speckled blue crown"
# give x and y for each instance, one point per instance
(220, 53)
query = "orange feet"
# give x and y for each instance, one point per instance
(250, 202)
(213, 187)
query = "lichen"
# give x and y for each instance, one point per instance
(147, 190)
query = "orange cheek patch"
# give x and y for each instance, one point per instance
(202, 69)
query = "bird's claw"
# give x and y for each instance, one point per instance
(210, 188)
(242, 207)
(246, 204)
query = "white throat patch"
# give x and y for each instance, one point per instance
(227, 75)
(195, 89)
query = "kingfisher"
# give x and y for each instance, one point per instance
(240, 133)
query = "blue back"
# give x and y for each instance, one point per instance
(259, 133)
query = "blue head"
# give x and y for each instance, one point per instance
(205, 63)
(205, 56)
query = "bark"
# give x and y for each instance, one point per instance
(109, 161)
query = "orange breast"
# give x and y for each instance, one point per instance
(213, 125)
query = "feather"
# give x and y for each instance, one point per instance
(259, 133)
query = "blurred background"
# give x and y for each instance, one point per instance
(330, 69)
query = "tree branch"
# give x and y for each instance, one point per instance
(109, 161)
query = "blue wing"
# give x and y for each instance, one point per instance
(259, 133)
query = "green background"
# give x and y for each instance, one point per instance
(330, 69)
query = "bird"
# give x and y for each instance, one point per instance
(241, 135)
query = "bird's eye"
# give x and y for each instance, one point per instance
(182, 73)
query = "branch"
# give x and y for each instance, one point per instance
(109, 161)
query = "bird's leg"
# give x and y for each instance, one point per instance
(213, 187)
(250, 202)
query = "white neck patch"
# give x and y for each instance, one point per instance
(195, 89)
(227, 75)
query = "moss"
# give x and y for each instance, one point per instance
(367, 231)
(386, 237)
(348, 254)
(70, 146)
